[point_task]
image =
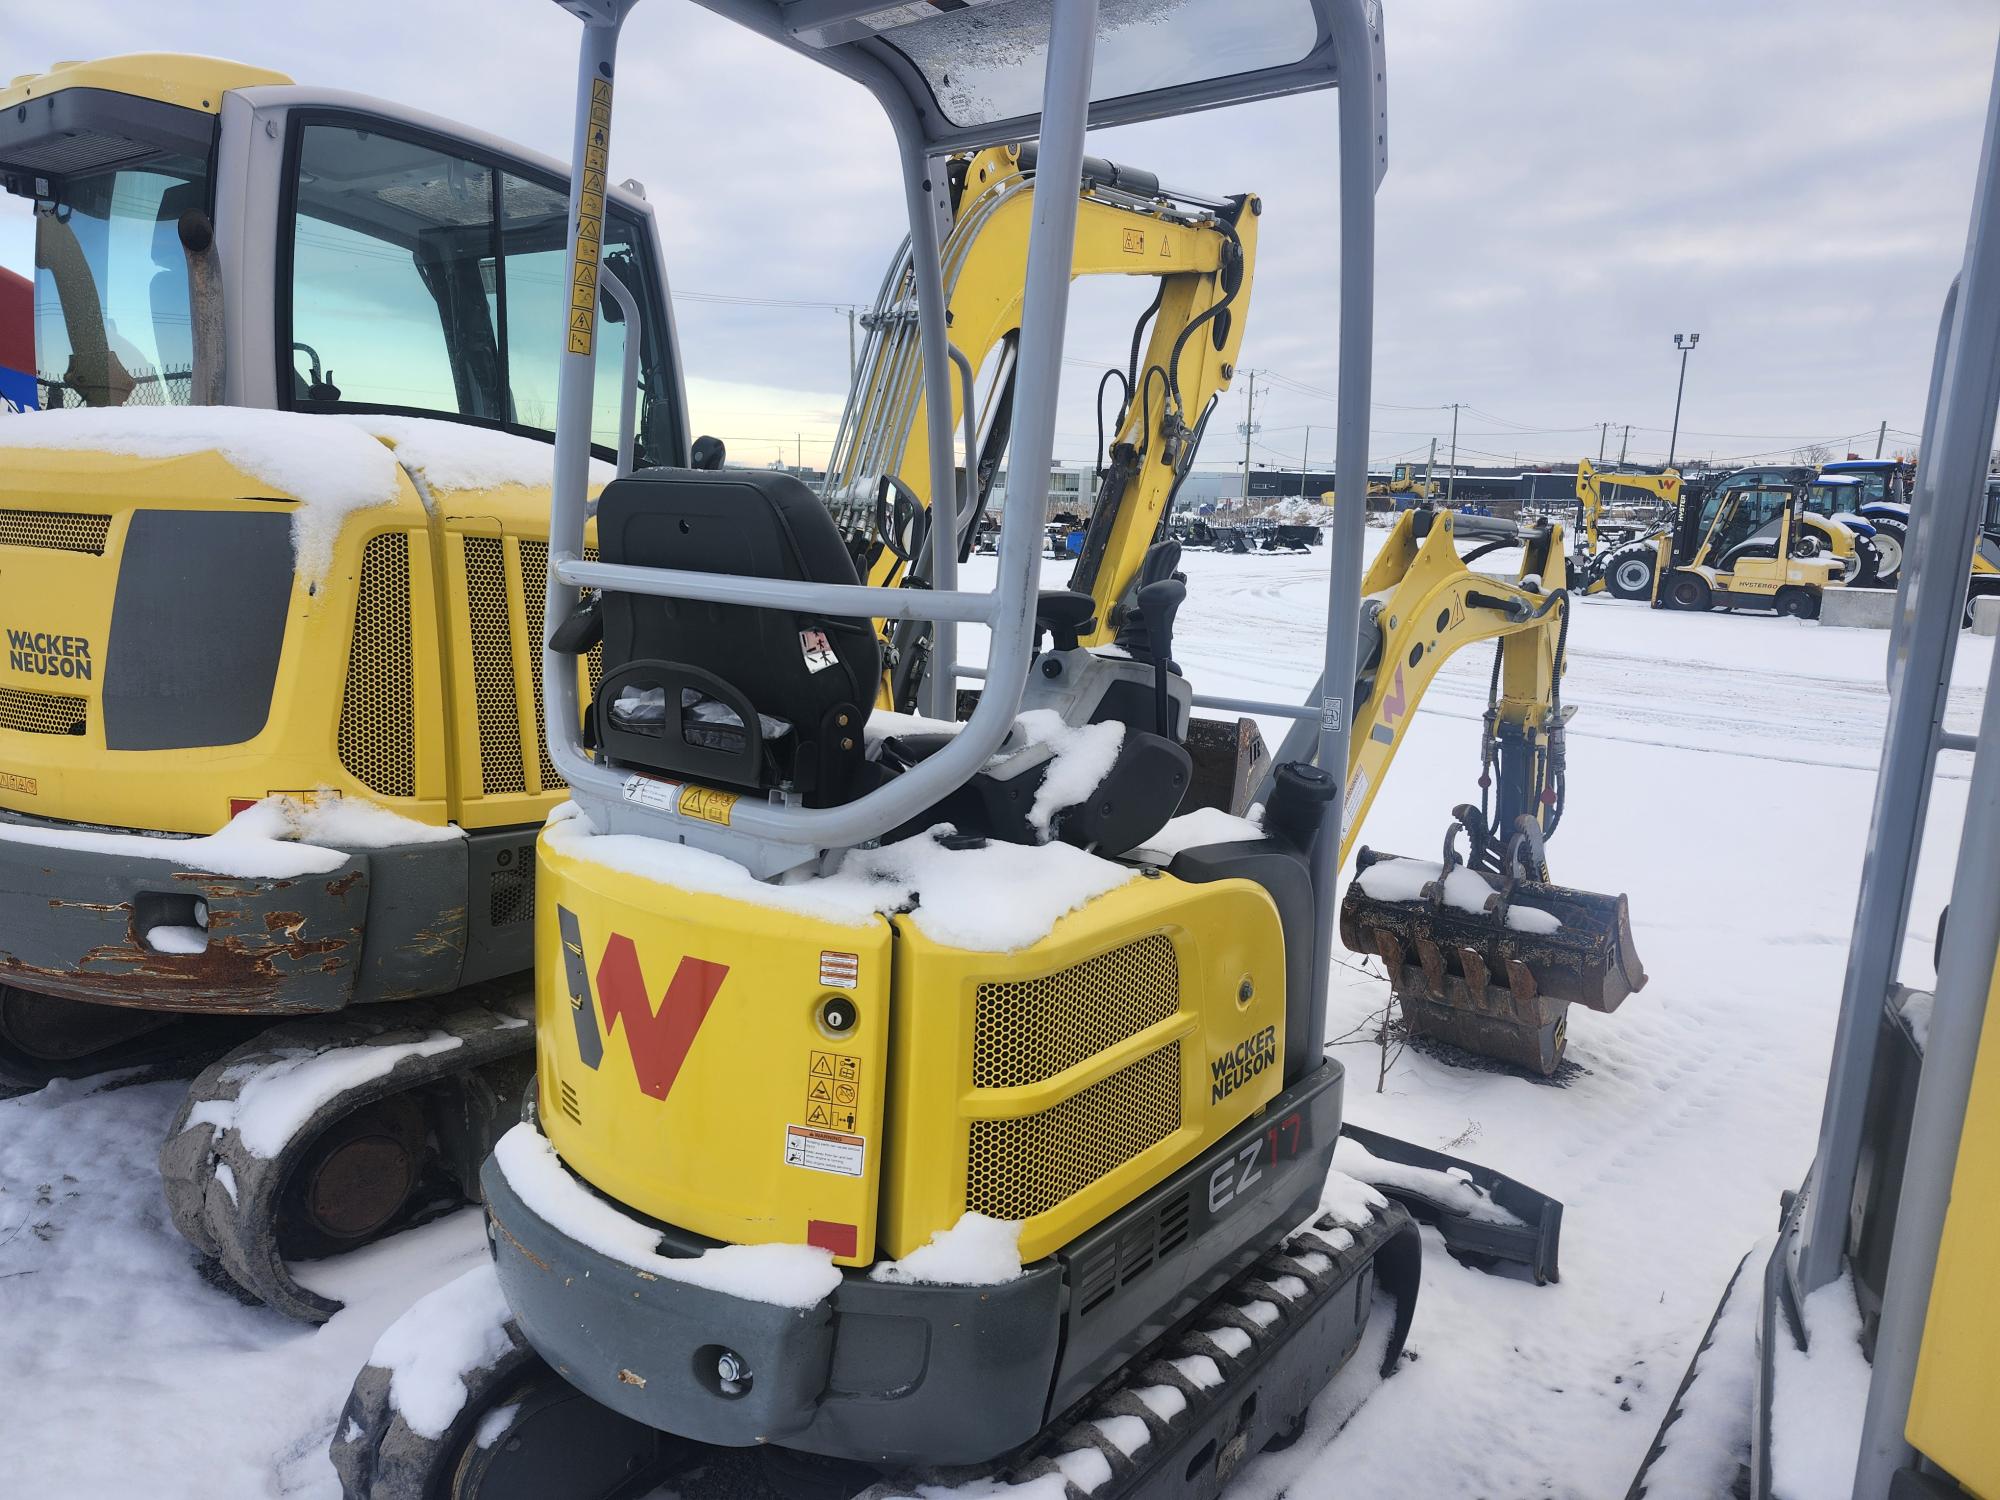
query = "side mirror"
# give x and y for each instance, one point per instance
(901, 519)
(707, 453)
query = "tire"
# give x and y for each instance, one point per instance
(1888, 543)
(1629, 575)
(1798, 603)
(1689, 591)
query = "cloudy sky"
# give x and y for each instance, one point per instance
(1571, 182)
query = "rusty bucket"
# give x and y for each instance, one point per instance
(1487, 962)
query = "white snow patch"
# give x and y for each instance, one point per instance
(1705, 1443)
(1818, 1400)
(457, 456)
(1348, 1200)
(331, 468)
(1231, 1341)
(1291, 1288)
(272, 839)
(1127, 1434)
(1453, 1188)
(457, 1330)
(1395, 879)
(493, 1424)
(993, 899)
(1081, 757)
(226, 1177)
(1205, 825)
(1085, 1468)
(1199, 1369)
(277, 1099)
(168, 939)
(1916, 1013)
(1164, 1401)
(782, 1275)
(1315, 1264)
(885, 724)
(976, 1251)
(1260, 1312)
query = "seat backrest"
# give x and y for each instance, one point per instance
(750, 697)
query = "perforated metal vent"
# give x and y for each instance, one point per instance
(1027, 1030)
(500, 764)
(377, 735)
(42, 713)
(535, 597)
(54, 530)
(1021, 1168)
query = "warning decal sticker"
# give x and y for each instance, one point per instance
(825, 1151)
(833, 1090)
(590, 222)
(839, 971)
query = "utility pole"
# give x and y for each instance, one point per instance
(1623, 442)
(1451, 474)
(1305, 461)
(798, 453)
(1881, 433)
(1430, 464)
(1603, 432)
(853, 369)
(1249, 427)
(1686, 349)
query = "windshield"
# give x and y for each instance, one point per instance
(1835, 499)
(111, 293)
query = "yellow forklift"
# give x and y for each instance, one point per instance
(918, 1101)
(1743, 546)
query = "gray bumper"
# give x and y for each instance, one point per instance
(892, 1373)
(384, 924)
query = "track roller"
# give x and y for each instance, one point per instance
(321, 1135)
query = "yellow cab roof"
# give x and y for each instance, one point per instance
(180, 78)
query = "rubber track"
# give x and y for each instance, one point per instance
(234, 1220)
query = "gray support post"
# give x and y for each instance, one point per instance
(927, 271)
(1363, 147)
(1958, 460)
(1954, 487)
(628, 393)
(574, 389)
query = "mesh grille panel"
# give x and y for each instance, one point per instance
(1020, 1168)
(1028, 1030)
(535, 597)
(500, 768)
(377, 738)
(54, 530)
(42, 713)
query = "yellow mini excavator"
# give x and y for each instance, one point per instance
(919, 1101)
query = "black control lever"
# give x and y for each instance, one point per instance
(582, 629)
(1158, 603)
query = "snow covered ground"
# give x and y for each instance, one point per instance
(1721, 771)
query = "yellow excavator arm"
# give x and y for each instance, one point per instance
(1200, 251)
(1664, 486)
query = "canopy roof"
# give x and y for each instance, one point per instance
(972, 69)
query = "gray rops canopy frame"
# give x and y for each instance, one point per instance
(956, 79)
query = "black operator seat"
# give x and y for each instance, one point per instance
(732, 695)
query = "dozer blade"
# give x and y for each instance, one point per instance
(1496, 975)
(1483, 1216)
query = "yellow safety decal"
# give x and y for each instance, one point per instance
(9, 782)
(825, 1150)
(590, 227)
(833, 1090)
(1135, 242)
(707, 804)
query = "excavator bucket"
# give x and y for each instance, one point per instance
(1490, 963)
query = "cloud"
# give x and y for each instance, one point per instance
(1570, 183)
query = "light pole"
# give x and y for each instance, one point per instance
(1686, 349)
(1305, 462)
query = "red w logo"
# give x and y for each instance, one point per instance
(1394, 702)
(659, 1039)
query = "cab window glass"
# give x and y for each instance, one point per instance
(426, 281)
(111, 292)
